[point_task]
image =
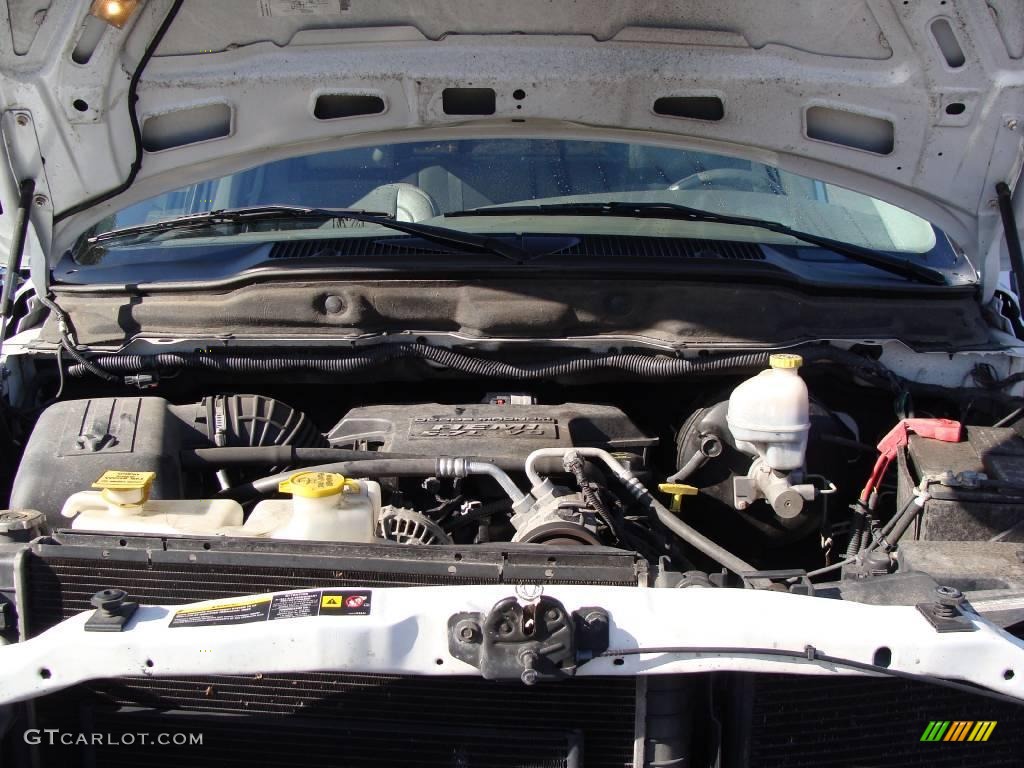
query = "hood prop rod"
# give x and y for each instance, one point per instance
(1012, 236)
(26, 191)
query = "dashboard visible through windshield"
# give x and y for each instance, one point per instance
(431, 181)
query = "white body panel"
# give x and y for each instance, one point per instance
(406, 632)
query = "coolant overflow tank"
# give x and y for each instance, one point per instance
(769, 414)
(324, 507)
(120, 503)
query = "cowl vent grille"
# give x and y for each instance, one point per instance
(591, 246)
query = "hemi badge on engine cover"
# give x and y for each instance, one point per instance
(483, 426)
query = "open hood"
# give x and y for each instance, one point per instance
(917, 102)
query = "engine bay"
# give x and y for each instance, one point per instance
(712, 480)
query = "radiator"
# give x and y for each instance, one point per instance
(324, 719)
(822, 722)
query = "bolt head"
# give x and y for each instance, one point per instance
(1012, 124)
(468, 631)
(949, 595)
(21, 120)
(40, 200)
(334, 304)
(529, 676)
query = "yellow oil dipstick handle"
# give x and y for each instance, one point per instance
(678, 491)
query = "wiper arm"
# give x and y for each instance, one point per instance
(902, 267)
(440, 235)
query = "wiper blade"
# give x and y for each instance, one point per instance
(901, 267)
(226, 216)
(439, 235)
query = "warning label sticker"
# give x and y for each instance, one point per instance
(302, 7)
(292, 605)
(295, 605)
(344, 603)
(214, 614)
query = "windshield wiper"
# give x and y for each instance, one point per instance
(439, 235)
(902, 267)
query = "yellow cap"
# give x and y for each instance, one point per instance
(678, 491)
(125, 489)
(317, 485)
(117, 480)
(785, 361)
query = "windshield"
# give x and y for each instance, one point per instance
(449, 176)
(424, 189)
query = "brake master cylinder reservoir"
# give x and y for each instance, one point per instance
(325, 506)
(769, 414)
(121, 504)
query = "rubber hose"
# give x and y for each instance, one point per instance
(366, 468)
(374, 467)
(287, 455)
(694, 463)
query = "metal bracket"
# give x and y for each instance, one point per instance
(946, 613)
(957, 622)
(533, 641)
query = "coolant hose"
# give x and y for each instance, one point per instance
(690, 535)
(290, 456)
(390, 467)
(363, 468)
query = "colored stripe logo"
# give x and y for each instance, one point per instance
(958, 730)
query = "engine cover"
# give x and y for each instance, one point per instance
(488, 430)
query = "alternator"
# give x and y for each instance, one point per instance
(407, 526)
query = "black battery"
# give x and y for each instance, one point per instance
(982, 493)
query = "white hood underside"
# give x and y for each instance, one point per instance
(918, 103)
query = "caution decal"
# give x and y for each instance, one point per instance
(228, 612)
(290, 605)
(344, 603)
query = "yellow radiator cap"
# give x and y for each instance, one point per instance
(317, 485)
(785, 361)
